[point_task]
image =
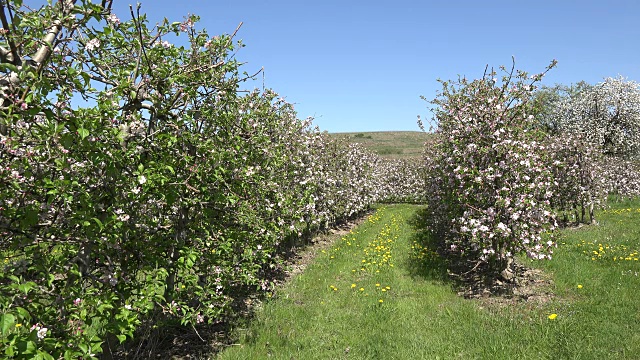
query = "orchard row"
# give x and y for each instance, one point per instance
(169, 193)
(141, 184)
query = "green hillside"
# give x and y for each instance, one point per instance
(390, 144)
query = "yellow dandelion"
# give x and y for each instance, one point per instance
(380, 301)
(18, 325)
(378, 284)
(553, 316)
(353, 286)
(579, 286)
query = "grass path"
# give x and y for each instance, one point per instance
(377, 294)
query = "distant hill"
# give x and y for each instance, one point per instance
(390, 144)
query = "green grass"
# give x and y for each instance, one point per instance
(319, 314)
(390, 144)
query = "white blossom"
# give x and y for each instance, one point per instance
(92, 44)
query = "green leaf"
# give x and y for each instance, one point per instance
(27, 347)
(30, 218)
(121, 338)
(86, 77)
(10, 67)
(26, 287)
(6, 322)
(83, 133)
(9, 350)
(100, 224)
(23, 313)
(45, 355)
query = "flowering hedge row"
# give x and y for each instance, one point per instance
(578, 184)
(619, 177)
(402, 181)
(167, 195)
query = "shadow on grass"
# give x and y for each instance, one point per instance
(425, 261)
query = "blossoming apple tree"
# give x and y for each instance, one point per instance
(490, 183)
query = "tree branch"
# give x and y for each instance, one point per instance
(5, 24)
(45, 50)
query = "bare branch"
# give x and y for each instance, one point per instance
(5, 24)
(142, 45)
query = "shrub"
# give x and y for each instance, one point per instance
(490, 184)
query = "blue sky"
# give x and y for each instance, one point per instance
(362, 65)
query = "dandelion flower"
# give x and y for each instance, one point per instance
(579, 286)
(553, 316)
(380, 301)
(353, 286)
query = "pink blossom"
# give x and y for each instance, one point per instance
(113, 19)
